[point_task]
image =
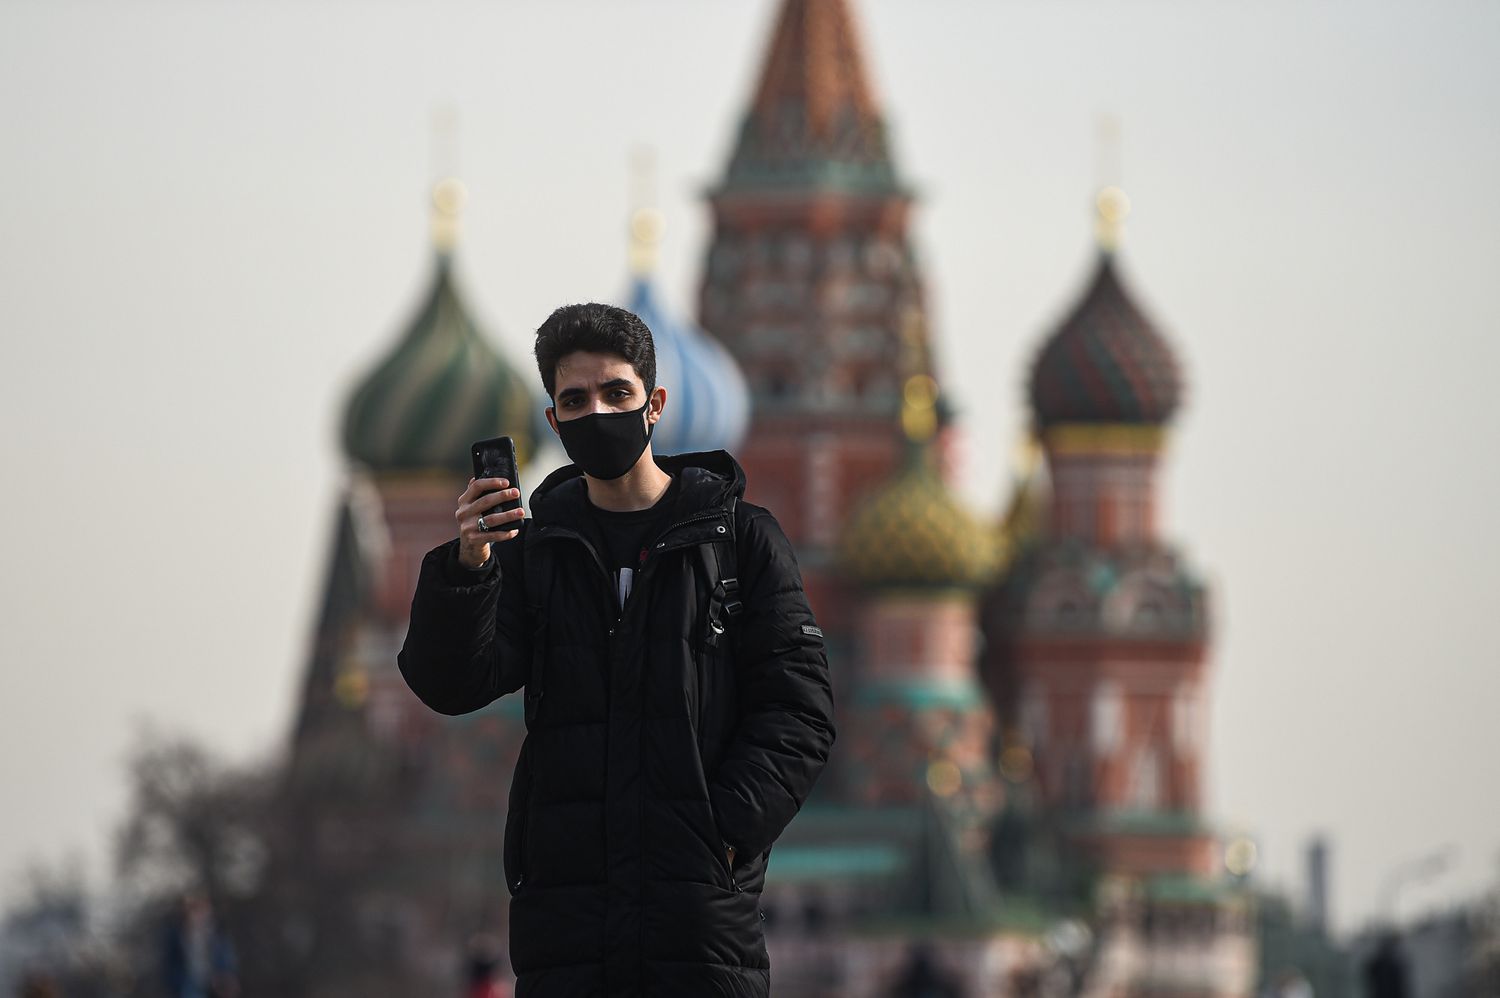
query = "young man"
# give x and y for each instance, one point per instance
(677, 698)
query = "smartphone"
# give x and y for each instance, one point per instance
(496, 458)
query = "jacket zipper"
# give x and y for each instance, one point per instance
(555, 532)
(558, 533)
(659, 546)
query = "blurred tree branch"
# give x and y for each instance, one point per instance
(193, 820)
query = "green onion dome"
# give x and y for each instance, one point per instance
(912, 531)
(443, 386)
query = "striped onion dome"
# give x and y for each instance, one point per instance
(443, 386)
(708, 403)
(912, 532)
(1106, 363)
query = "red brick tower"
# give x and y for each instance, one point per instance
(918, 722)
(1096, 656)
(810, 281)
(1098, 634)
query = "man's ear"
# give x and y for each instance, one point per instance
(656, 403)
(552, 419)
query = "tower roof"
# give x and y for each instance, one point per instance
(815, 63)
(442, 387)
(813, 122)
(1106, 362)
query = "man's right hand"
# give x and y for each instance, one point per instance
(473, 543)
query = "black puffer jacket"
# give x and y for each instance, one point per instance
(652, 739)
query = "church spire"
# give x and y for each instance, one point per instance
(1112, 207)
(814, 64)
(813, 123)
(448, 198)
(645, 219)
(812, 284)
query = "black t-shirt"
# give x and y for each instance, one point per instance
(626, 537)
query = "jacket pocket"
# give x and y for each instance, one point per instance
(515, 848)
(518, 822)
(730, 881)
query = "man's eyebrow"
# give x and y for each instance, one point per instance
(604, 386)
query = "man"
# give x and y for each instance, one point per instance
(677, 699)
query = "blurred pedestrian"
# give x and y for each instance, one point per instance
(198, 959)
(36, 984)
(924, 979)
(485, 961)
(1385, 971)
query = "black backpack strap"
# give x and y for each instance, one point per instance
(729, 575)
(725, 603)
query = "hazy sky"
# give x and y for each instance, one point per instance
(213, 218)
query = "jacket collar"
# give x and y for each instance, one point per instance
(707, 480)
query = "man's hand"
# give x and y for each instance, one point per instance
(473, 543)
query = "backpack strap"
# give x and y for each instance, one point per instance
(724, 605)
(729, 575)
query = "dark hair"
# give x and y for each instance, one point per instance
(595, 328)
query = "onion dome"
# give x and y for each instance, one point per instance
(912, 531)
(443, 386)
(708, 402)
(1106, 363)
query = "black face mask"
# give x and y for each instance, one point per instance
(606, 444)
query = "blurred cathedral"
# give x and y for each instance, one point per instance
(1015, 802)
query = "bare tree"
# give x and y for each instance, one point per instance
(194, 821)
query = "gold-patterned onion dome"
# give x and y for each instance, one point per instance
(913, 532)
(442, 388)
